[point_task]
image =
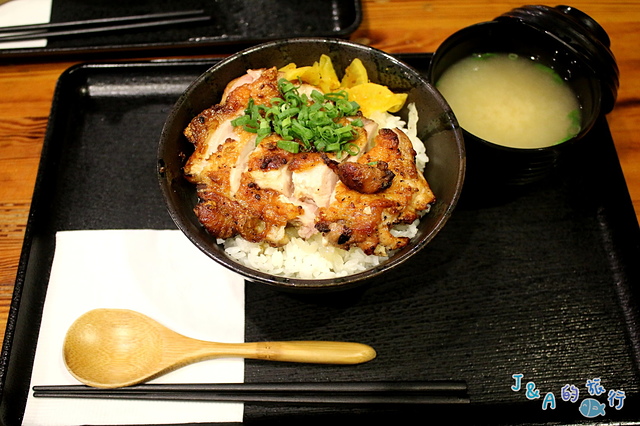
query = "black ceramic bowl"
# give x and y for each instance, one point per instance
(561, 38)
(436, 127)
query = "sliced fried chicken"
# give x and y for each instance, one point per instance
(212, 127)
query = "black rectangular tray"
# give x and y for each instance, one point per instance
(233, 23)
(542, 283)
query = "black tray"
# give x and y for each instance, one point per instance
(542, 283)
(234, 22)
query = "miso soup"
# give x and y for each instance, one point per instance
(511, 100)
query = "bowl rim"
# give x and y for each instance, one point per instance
(315, 284)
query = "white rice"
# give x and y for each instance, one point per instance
(307, 259)
(313, 258)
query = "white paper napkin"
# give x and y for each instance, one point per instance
(160, 274)
(25, 12)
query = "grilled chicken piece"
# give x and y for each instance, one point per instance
(233, 186)
(265, 189)
(365, 220)
(365, 178)
(212, 127)
(312, 178)
(268, 166)
(409, 188)
(224, 166)
(314, 182)
(259, 209)
(255, 213)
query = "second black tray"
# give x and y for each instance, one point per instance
(233, 22)
(542, 283)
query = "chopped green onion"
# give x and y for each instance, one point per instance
(333, 147)
(352, 149)
(289, 145)
(308, 123)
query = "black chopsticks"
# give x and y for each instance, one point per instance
(430, 392)
(92, 26)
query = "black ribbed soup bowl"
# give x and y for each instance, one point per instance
(565, 40)
(437, 128)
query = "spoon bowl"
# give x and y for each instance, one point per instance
(109, 348)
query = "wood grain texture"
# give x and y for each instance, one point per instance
(110, 348)
(26, 94)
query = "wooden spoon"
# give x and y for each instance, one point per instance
(108, 348)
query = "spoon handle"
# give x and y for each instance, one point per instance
(317, 352)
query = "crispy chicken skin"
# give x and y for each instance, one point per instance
(365, 178)
(365, 220)
(257, 191)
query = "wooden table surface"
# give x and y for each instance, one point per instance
(26, 91)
